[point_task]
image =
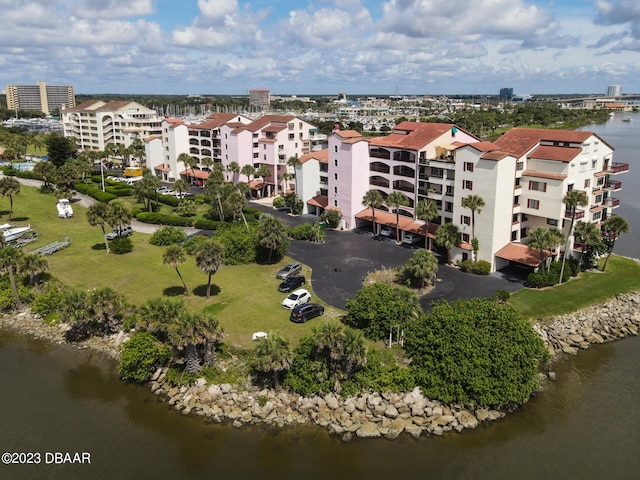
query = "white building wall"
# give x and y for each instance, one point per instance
(308, 181)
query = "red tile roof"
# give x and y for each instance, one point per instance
(267, 120)
(162, 168)
(521, 253)
(321, 156)
(195, 173)
(561, 154)
(213, 121)
(413, 135)
(389, 219)
(267, 140)
(83, 106)
(321, 201)
(274, 128)
(549, 175)
(114, 105)
(495, 155)
(347, 133)
(519, 141)
(480, 146)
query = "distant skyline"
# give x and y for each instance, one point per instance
(322, 46)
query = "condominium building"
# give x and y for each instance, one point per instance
(260, 98)
(96, 123)
(522, 178)
(42, 97)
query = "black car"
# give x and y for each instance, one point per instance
(306, 311)
(291, 283)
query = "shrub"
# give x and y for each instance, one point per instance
(169, 200)
(466, 265)
(481, 267)
(475, 351)
(167, 236)
(6, 297)
(46, 188)
(120, 190)
(307, 375)
(27, 174)
(94, 192)
(48, 302)
(163, 219)
(206, 224)
(141, 356)
(192, 244)
(332, 217)
(501, 295)
(278, 202)
(240, 244)
(307, 231)
(121, 245)
(381, 373)
(252, 214)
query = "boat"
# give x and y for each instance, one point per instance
(11, 233)
(64, 208)
(627, 119)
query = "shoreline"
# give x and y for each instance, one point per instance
(369, 415)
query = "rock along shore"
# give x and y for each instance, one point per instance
(369, 415)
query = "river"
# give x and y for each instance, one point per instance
(586, 425)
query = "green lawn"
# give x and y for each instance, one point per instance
(246, 298)
(622, 275)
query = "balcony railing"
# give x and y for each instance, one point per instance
(579, 214)
(611, 202)
(611, 185)
(617, 167)
(379, 182)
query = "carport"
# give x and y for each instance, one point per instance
(520, 256)
(388, 219)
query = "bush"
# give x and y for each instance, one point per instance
(167, 236)
(206, 224)
(278, 202)
(240, 244)
(141, 356)
(121, 245)
(192, 244)
(501, 295)
(332, 217)
(120, 190)
(551, 276)
(252, 214)
(48, 302)
(307, 375)
(466, 265)
(481, 267)
(94, 192)
(163, 219)
(169, 200)
(475, 351)
(381, 373)
(7, 302)
(306, 231)
(27, 174)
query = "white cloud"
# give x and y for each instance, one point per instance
(113, 8)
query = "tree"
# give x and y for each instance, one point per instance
(145, 189)
(209, 259)
(235, 203)
(329, 341)
(141, 356)
(573, 199)
(294, 162)
(378, 307)
(475, 351)
(545, 239)
(475, 203)
(354, 351)
(196, 334)
(427, 210)
(272, 234)
(234, 168)
(174, 256)
(9, 187)
(118, 215)
(272, 354)
(46, 171)
(263, 171)
(59, 149)
(395, 200)
(189, 163)
(10, 259)
(613, 228)
(448, 237)
(249, 171)
(98, 214)
(180, 186)
(419, 269)
(157, 314)
(137, 148)
(33, 264)
(588, 235)
(214, 188)
(107, 309)
(373, 199)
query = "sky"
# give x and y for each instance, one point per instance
(409, 47)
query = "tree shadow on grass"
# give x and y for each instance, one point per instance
(19, 219)
(98, 246)
(201, 290)
(175, 291)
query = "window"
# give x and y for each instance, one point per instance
(467, 185)
(598, 198)
(516, 200)
(335, 203)
(264, 147)
(449, 190)
(166, 148)
(523, 232)
(264, 156)
(465, 239)
(519, 165)
(532, 203)
(552, 221)
(464, 219)
(524, 217)
(514, 218)
(300, 125)
(335, 162)
(587, 183)
(335, 190)
(538, 186)
(569, 187)
(335, 176)
(448, 207)
(514, 236)
(597, 216)
(594, 163)
(518, 182)
(468, 166)
(291, 136)
(335, 148)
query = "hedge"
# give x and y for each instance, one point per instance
(169, 200)
(163, 219)
(121, 190)
(207, 224)
(94, 192)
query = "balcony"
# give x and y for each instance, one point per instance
(613, 186)
(379, 182)
(579, 214)
(616, 167)
(611, 202)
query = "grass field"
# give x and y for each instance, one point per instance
(622, 275)
(244, 298)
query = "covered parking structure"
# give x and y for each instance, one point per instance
(520, 257)
(384, 218)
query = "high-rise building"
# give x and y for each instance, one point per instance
(506, 93)
(614, 90)
(259, 98)
(42, 97)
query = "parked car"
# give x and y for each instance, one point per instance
(306, 311)
(181, 194)
(125, 231)
(293, 268)
(412, 239)
(388, 232)
(298, 297)
(163, 190)
(291, 283)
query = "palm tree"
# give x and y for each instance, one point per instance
(354, 351)
(146, 188)
(9, 187)
(263, 171)
(98, 214)
(373, 199)
(448, 237)
(234, 168)
(10, 259)
(47, 171)
(209, 259)
(189, 163)
(32, 265)
(396, 200)
(249, 171)
(180, 185)
(421, 267)
(539, 238)
(235, 203)
(613, 228)
(107, 308)
(272, 354)
(213, 188)
(475, 203)
(174, 256)
(157, 314)
(190, 331)
(573, 199)
(272, 234)
(294, 162)
(329, 341)
(118, 215)
(587, 234)
(427, 210)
